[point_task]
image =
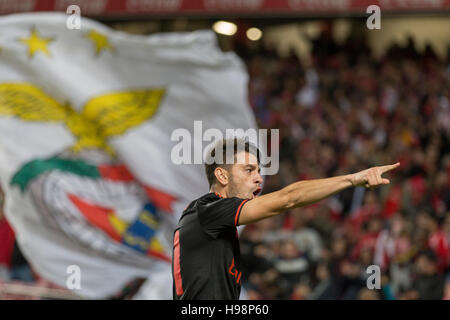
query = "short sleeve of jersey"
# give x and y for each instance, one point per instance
(220, 215)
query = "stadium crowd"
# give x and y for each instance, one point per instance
(339, 113)
(342, 112)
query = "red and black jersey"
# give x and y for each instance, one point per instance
(206, 251)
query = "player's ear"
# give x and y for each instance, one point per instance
(221, 175)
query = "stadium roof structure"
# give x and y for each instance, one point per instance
(221, 8)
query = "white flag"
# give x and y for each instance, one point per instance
(86, 118)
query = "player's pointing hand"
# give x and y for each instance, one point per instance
(371, 178)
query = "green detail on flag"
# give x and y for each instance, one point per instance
(33, 169)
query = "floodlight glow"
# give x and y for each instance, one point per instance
(254, 34)
(225, 28)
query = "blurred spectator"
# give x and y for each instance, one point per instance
(447, 288)
(438, 242)
(325, 288)
(291, 264)
(386, 288)
(367, 294)
(306, 239)
(301, 291)
(429, 282)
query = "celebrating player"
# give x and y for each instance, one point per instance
(206, 253)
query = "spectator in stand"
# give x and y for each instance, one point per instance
(438, 241)
(324, 288)
(368, 294)
(447, 288)
(429, 281)
(301, 291)
(291, 265)
(306, 239)
(446, 228)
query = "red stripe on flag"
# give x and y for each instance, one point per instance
(160, 199)
(158, 255)
(116, 173)
(96, 215)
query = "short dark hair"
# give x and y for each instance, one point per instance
(213, 162)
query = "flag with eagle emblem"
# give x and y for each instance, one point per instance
(86, 118)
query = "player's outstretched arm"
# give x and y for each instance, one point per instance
(302, 193)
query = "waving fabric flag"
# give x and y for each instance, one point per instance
(86, 118)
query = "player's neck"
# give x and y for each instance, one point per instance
(220, 192)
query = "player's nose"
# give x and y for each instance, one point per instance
(259, 179)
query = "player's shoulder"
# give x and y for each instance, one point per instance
(205, 199)
(215, 199)
(211, 200)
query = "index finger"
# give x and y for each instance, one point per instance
(390, 167)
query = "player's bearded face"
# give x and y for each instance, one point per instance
(244, 177)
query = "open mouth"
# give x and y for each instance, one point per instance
(256, 192)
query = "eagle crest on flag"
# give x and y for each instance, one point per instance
(99, 226)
